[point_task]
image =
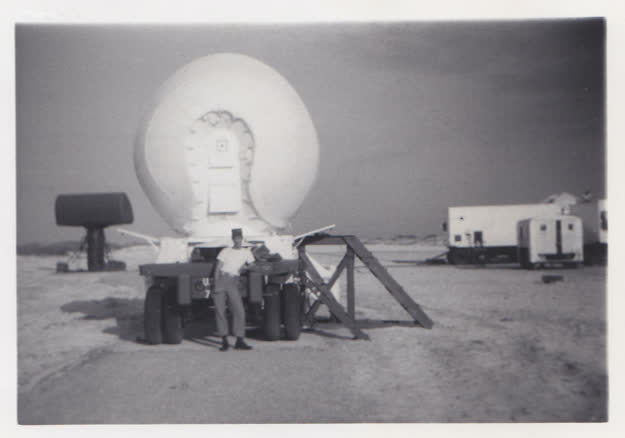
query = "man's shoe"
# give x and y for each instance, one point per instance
(241, 345)
(224, 346)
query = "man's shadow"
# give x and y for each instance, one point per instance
(127, 313)
(128, 317)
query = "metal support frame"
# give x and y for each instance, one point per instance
(348, 317)
(351, 293)
(344, 263)
(315, 282)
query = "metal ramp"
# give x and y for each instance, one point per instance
(354, 247)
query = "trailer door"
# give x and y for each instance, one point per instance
(558, 237)
(571, 237)
(543, 238)
(478, 239)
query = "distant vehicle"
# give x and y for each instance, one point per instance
(595, 218)
(550, 240)
(488, 233)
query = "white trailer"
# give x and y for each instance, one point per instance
(488, 233)
(550, 240)
(595, 218)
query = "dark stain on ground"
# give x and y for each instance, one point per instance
(106, 308)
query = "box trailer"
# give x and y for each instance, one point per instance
(488, 233)
(550, 240)
(594, 216)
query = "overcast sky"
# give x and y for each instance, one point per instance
(412, 117)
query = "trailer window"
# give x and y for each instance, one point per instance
(570, 226)
(543, 227)
(457, 238)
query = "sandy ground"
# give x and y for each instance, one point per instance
(505, 347)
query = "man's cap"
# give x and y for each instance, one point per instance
(237, 232)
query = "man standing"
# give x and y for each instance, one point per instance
(230, 262)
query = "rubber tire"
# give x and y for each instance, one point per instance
(460, 258)
(255, 314)
(479, 259)
(524, 260)
(451, 257)
(292, 311)
(173, 331)
(271, 312)
(153, 316)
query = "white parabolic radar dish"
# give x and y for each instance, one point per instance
(227, 143)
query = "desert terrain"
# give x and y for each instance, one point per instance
(505, 347)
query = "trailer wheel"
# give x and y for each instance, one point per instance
(459, 258)
(172, 319)
(271, 312)
(153, 316)
(524, 259)
(255, 314)
(292, 311)
(451, 259)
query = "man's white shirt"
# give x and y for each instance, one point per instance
(234, 259)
